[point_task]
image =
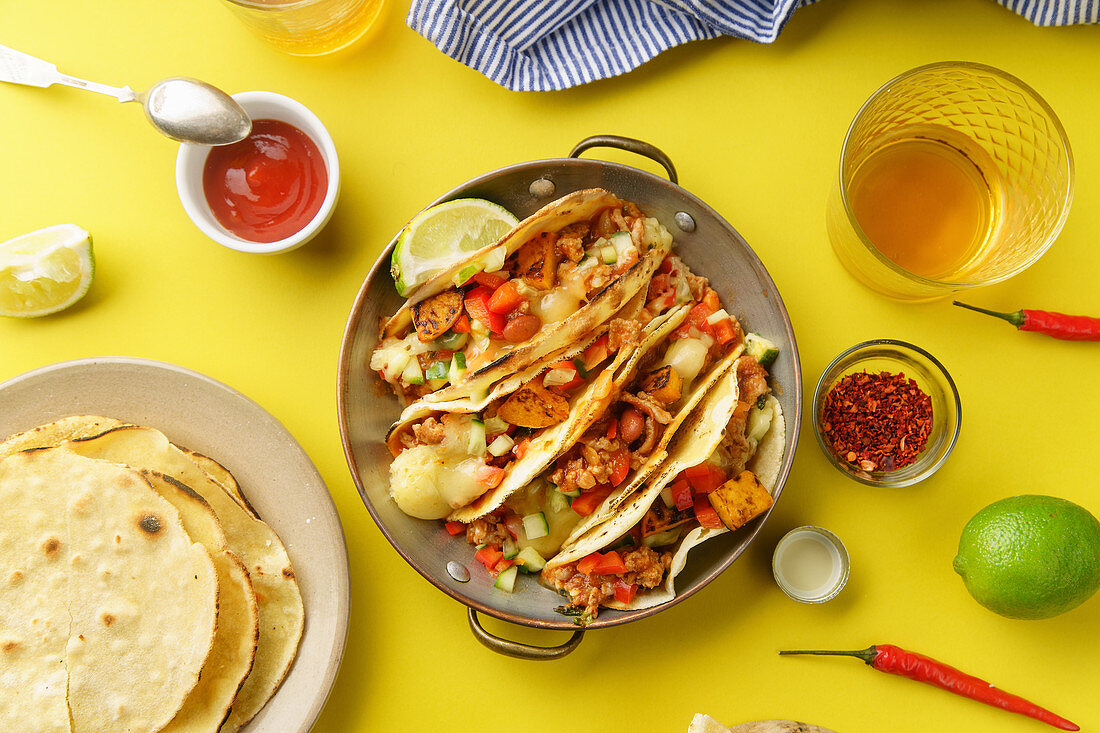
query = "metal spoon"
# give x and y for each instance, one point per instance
(187, 110)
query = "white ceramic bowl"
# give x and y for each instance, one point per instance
(260, 106)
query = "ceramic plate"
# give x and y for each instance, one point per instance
(274, 472)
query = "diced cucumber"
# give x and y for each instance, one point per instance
(413, 374)
(761, 349)
(535, 526)
(571, 494)
(506, 581)
(662, 539)
(759, 421)
(436, 384)
(476, 444)
(452, 341)
(501, 445)
(559, 502)
(717, 316)
(396, 365)
(623, 244)
(581, 370)
(494, 259)
(609, 255)
(495, 425)
(530, 559)
(509, 548)
(458, 368)
(437, 370)
(463, 276)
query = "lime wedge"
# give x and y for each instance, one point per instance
(45, 271)
(442, 235)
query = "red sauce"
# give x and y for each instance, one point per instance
(268, 186)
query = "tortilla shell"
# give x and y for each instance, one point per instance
(234, 647)
(552, 217)
(54, 433)
(221, 476)
(701, 435)
(141, 597)
(281, 614)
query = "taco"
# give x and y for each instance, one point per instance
(719, 474)
(540, 289)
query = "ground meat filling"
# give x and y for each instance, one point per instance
(487, 530)
(428, 432)
(644, 567)
(623, 334)
(594, 464)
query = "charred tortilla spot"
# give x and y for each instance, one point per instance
(150, 524)
(288, 573)
(118, 539)
(51, 546)
(434, 316)
(9, 646)
(15, 577)
(106, 618)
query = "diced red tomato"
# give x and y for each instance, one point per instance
(519, 450)
(697, 318)
(477, 305)
(489, 556)
(624, 593)
(609, 563)
(502, 565)
(705, 513)
(462, 325)
(490, 279)
(455, 528)
(612, 429)
(666, 265)
(505, 298)
(705, 478)
(661, 303)
(681, 494)
(620, 466)
(723, 331)
(489, 476)
(587, 502)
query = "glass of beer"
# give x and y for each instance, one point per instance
(307, 27)
(952, 176)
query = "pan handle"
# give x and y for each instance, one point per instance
(522, 651)
(630, 145)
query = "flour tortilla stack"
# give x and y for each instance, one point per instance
(81, 546)
(260, 619)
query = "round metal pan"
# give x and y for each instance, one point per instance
(367, 407)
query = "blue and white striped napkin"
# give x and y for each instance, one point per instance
(543, 45)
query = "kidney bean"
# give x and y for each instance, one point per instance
(631, 425)
(521, 328)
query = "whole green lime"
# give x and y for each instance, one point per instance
(1030, 556)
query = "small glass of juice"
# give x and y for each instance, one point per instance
(952, 176)
(307, 27)
(810, 564)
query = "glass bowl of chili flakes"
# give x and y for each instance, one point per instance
(887, 413)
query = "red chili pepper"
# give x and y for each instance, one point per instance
(1058, 325)
(895, 660)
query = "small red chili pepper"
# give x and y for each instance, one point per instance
(895, 660)
(1058, 325)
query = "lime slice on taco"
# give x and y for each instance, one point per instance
(45, 271)
(444, 234)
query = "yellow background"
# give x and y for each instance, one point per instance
(755, 131)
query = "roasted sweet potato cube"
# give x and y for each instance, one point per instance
(664, 385)
(433, 316)
(534, 406)
(537, 261)
(740, 500)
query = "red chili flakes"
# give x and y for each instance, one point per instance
(878, 422)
